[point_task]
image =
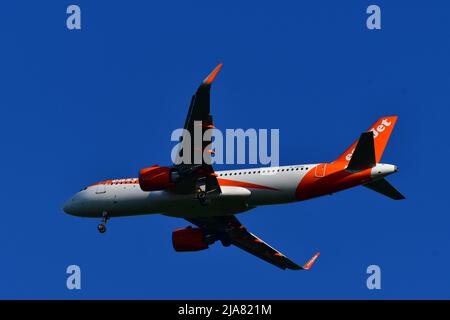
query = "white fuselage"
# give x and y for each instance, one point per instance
(242, 190)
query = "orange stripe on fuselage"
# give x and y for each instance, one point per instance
(335, 179)
(234, 183)
(222, 182)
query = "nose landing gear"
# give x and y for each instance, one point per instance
(102, 226)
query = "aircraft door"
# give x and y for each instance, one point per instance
(320, 170)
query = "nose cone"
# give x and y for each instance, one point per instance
(69, 206)
(74, 206)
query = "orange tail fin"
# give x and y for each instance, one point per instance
(382, 130)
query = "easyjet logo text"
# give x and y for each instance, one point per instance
(376, 132)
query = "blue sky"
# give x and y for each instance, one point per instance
(84, 106)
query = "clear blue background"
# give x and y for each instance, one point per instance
(84, 106)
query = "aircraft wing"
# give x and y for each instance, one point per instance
(193, 161)
(229, 230)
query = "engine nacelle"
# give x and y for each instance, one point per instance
(156, 178)
(188, 239)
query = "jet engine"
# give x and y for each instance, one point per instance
(188, 239)
(157, 178)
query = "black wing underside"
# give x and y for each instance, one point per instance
(194, 161)
(229, 230)
(196, 171)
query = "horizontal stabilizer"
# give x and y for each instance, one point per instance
(364, 155)
(385, 188)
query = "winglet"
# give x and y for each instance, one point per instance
(210, 78)
(311, 261)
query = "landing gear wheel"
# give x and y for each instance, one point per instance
(101, 228)
(201, 196)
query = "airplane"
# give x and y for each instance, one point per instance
(210, 200)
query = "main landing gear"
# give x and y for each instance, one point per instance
(201, 196)
(102, 226)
